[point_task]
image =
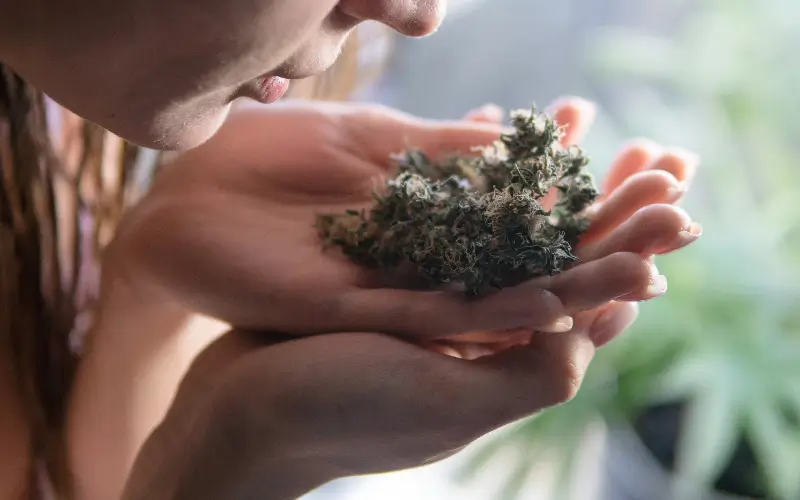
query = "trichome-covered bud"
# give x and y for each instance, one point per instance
(475, 222)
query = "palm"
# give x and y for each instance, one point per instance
(245, 205)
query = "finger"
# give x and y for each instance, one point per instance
(682, 164)
(379, 132)
(534, 304)
(576, 115)
(518, 381)
(524, 380)
(550, 369)
(481, 337)
(634, 157)
(435, 314)
(593, 284)
(659, 282)
(638, 191)
(654, 229)
(488, 113)
(614, 319)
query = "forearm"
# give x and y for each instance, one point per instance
(207, 459)
(137, 354)
(128, 419)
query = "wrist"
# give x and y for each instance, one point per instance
(204, 452)
(124, 286)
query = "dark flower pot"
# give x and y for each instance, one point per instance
(640, 458)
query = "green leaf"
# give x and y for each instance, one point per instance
(776, 448)
(710, 434)
(679, 381)
(513, 487)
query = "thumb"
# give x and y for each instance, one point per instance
(427, 315)
(541, 304)
(380, 131)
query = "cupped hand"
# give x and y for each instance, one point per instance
(257, 413)
(227, 231)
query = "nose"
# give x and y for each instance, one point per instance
(414, 18)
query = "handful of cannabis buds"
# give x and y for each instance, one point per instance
(475, 222)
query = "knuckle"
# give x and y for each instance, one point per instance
(627, 267)
(662, 219)
(374, 113)
(651, 181)
(566, 382)
(542, 307)
(566, 375)
(411, 317)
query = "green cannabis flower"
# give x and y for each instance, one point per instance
(476, 222)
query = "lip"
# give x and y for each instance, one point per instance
(266, 89)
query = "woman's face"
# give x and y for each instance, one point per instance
(162, 73)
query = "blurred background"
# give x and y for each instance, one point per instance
(701, 399)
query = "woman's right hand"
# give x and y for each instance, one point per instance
(253, 418)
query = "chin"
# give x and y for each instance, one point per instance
(176, 133)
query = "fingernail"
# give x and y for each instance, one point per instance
(676, 192)
(657, 286)
(561, 325)
(683, 239)
(695, 229)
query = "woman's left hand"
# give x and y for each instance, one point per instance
(238, 243)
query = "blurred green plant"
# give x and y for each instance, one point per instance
(725, 340)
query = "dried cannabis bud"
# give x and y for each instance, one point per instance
(475, 221)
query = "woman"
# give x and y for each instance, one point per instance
(164, 404)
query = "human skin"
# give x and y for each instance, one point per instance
(163, 74)
(169, 84)
(146, 342)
